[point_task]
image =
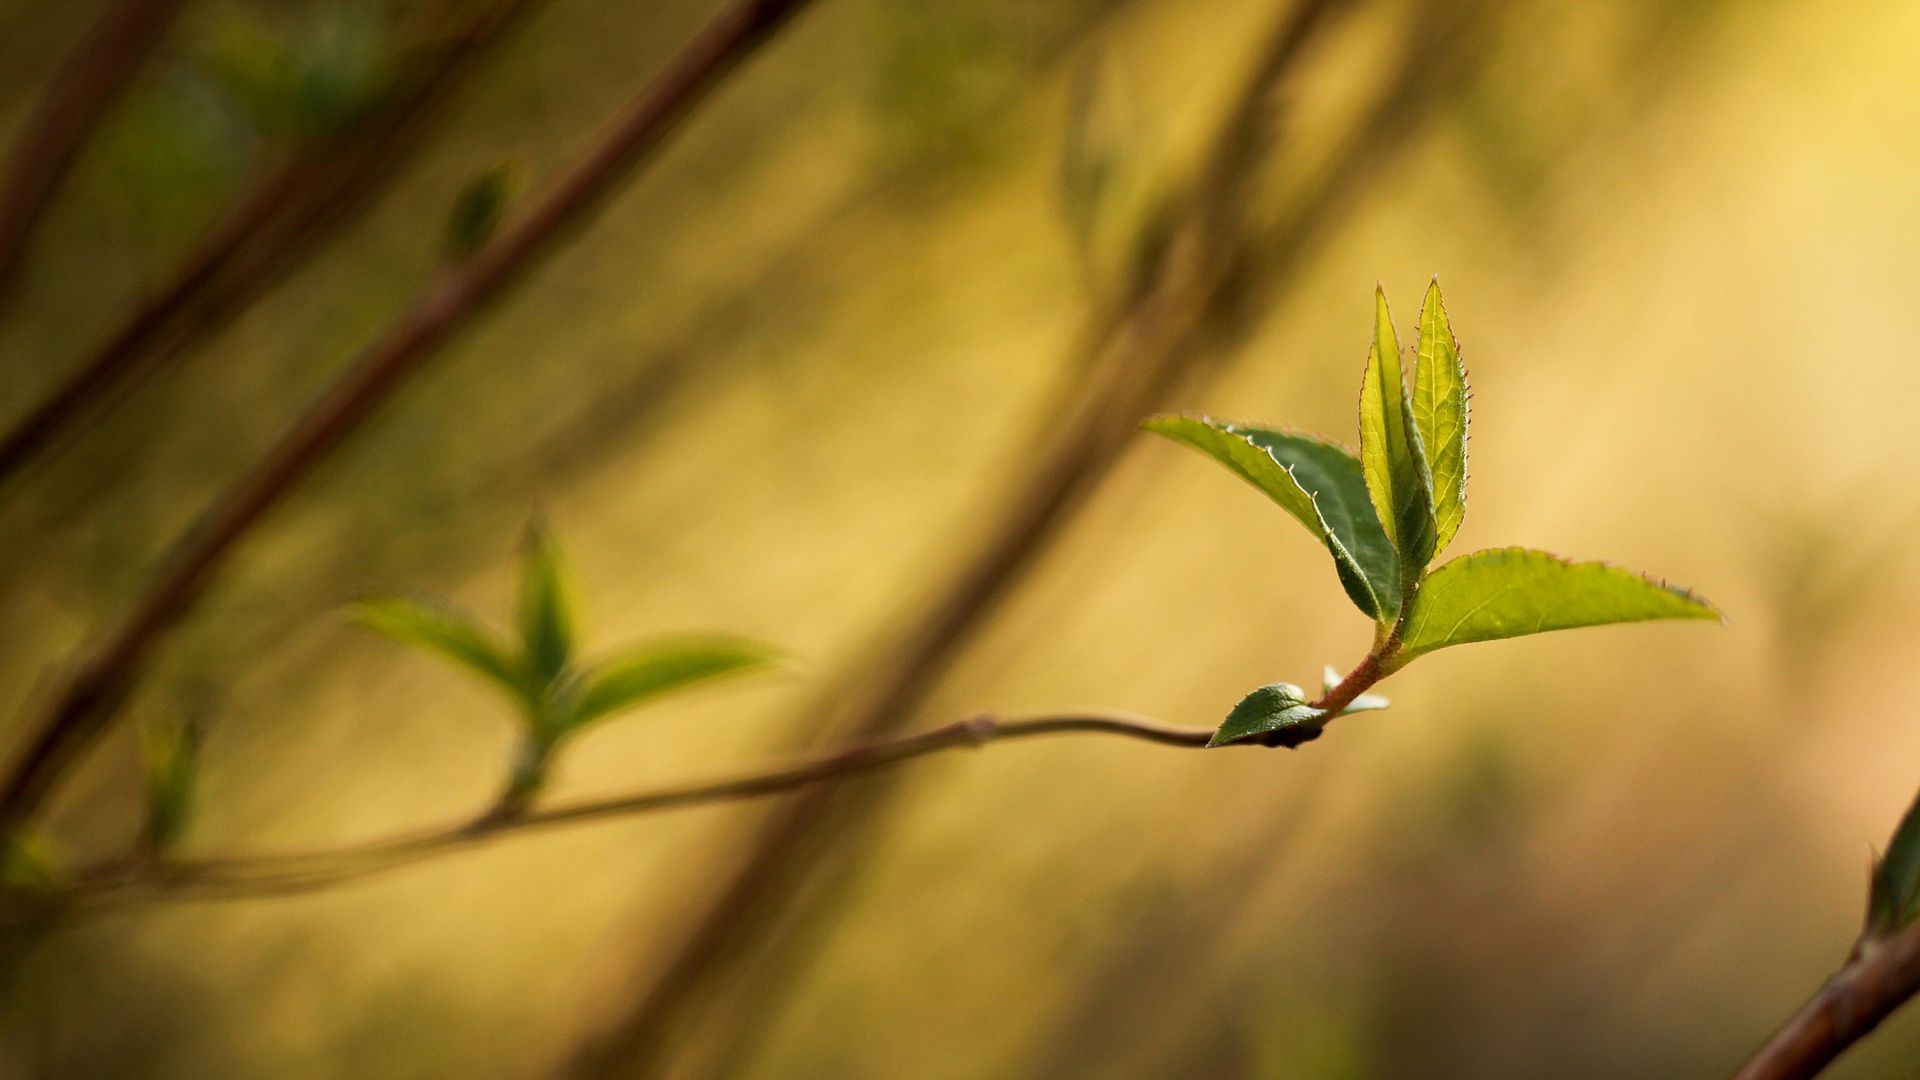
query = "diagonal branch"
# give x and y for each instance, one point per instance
(273, 229)
(89, 80)
(260, 875)
(100, 682)
(1881, 975)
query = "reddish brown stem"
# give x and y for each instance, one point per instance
(91, 77)
(260, 875)
(101, 681)
(1880, 976)
(271, 230)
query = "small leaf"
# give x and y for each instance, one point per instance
(478, 209)
(1895, 894)
(1510, 592)
(651, 670)
(1440, 415)
(450, 633)
(1278, 714)
(1320, 485)
(1390, 452)
(544, 608)
(169, 754)
(27, 865)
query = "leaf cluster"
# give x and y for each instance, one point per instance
(1386, 513)
(556, 693)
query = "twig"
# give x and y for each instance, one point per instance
(270, 232)
(91, 76)
(257, 875)
(1140, 344)
(101, 682)
(1880, 975)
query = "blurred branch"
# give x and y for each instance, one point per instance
(275, 227)
(92, 695)
(223, 878)
(1154, 330)
(91, 76)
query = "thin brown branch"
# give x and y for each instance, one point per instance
(1154, 332)
(101, 681)
(1881, 975)
(90, 78)
(271, 231)
(259, 875)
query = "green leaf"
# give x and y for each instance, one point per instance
(1510, 592)
(1895, 896)
(659, 667)
(1440, 415)
(1390, 452)
(478, 209)
(544, 609)
(168, 753)
(1320, 485)
(450, 633)
(1277, 714)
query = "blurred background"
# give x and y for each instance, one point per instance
(889, 305)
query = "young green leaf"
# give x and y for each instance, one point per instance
(1510, 592)
(1394, 463)
(544, 609)
(168, 753)
(1320, 485)
(478, 210)
(1895, 895)
(1278, 713)
(452, 634)
(656, 668)
(1440, 414)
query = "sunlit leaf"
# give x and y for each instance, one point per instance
(449, 633)
(1895, 901)
(1440, 415)
(1390, 453)
(1320, 485)
(1510, 592)
(657, 668)
(544, 608)
(1278, 713)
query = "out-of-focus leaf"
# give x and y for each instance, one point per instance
(1320, 485)
(26, 864)
(544, 609)
(1440, 415)
(451, 634)
(169, 755)
(1390, 452)
(657, 668)
(1510, 592)
(1895, 895)
(1278, 712)
(478, 210)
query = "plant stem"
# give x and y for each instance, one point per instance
(90, 78)
(86, 705)
(123, 880)
(1880, 975)
(268, 233)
